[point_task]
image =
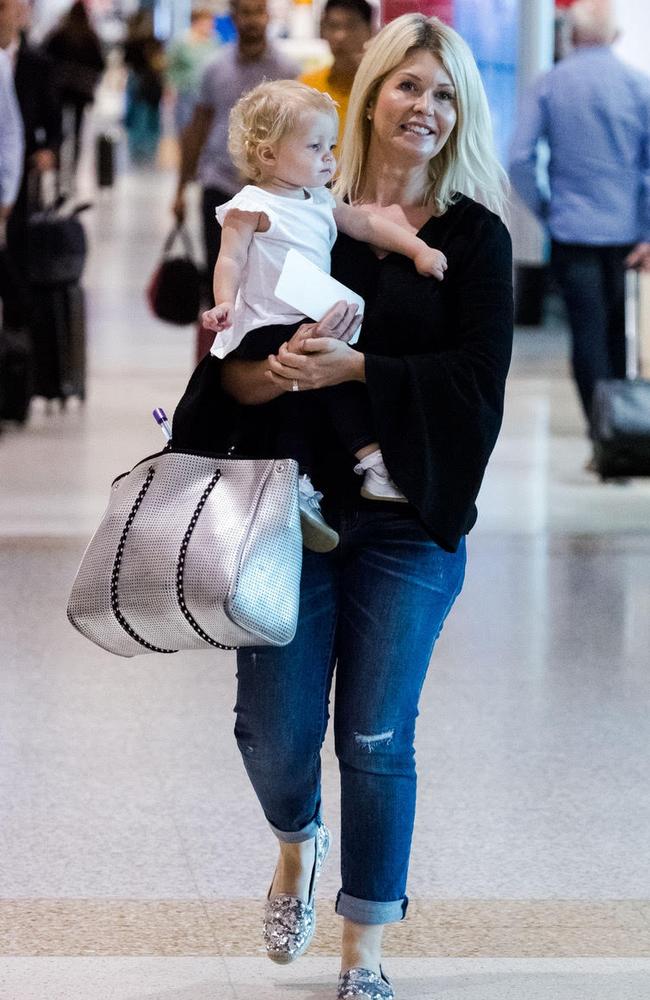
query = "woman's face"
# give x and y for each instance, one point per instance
(415, 110)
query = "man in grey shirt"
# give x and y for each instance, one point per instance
(204, 143)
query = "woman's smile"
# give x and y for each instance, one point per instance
(418, 129)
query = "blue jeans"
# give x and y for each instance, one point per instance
(592, 282)
(375, 607)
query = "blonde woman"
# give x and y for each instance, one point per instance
(281, 137)
(433, 358)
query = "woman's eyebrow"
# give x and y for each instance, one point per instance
(415, 76)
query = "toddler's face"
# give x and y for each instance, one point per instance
(304, 157)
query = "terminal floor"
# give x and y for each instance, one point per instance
(133, 857)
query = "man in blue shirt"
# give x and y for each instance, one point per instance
(12, 142)
(594, 113)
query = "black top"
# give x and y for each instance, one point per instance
(78, 63)
(437, 355)
(38, 100)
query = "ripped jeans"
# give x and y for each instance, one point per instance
(375, 607)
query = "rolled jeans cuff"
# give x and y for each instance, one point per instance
(298, 836)
(368, 911)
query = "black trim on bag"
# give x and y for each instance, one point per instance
(180, 567)
(115, 604)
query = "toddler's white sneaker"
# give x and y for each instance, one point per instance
(377, 484)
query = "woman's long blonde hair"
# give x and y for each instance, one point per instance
(467, 163)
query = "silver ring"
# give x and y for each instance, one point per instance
(294, 386)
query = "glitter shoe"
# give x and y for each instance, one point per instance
(363, 984)
(289, 923)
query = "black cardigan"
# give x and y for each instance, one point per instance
(437, 355)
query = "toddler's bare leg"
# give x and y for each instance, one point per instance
(367, 450)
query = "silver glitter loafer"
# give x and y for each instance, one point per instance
(289, 923)
(362, 984)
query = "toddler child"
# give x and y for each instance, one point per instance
(281, 137)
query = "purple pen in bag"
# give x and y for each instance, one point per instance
(160, 417)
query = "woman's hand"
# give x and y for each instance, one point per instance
(256, 382)
(318, 355)
(324, 361)
(341, 322)
(639, 257)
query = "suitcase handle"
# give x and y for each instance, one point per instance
(632, 339)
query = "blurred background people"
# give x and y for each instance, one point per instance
(40, 111)
(239, 67)
(78, 63)
(144, 56)
(346, 26)
(187, 57)
(12, 144)
(594, 112)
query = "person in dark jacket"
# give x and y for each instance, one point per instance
(40, 110)
(76, 54)
(433, 358)
(144, 56)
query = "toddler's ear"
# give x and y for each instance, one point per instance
(266, 154)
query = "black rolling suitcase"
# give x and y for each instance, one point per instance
(621, 407)
(105, 160)
(15, 375)
(59, 334)
(16, 360)
(57, 251)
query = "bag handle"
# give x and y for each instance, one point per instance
(180, 569)
(178, 232)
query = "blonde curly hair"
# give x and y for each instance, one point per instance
(266, 114)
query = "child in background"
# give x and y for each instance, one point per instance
(281, 136)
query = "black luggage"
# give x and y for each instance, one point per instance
(59, 334)
(15, 375)
(105, 160)
(57, 254)
(56, 243)
(16, 363)
(621, 407)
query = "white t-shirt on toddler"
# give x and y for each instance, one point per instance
(306, 225)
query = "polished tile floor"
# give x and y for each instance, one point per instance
(132, 854)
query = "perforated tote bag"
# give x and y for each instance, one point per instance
(194, 551)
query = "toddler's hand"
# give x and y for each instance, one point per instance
(431, 262)
(219, 317)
